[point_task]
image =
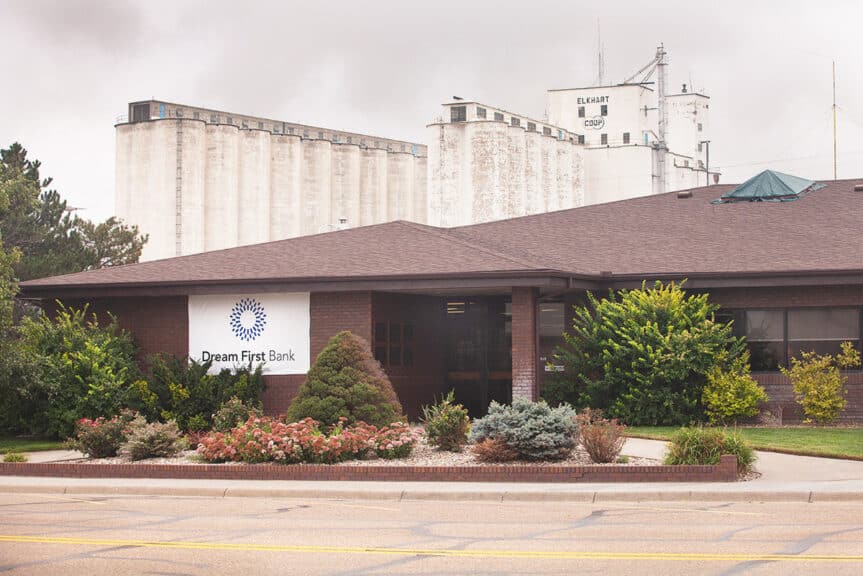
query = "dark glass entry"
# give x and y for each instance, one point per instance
(478, 347)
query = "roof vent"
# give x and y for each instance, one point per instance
(770, 186)
(684, 194)
(858, 187)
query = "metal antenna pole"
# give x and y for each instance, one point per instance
(834, 119)
(660, 89)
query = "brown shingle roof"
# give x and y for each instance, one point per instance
(665, 234)
(394, 249)
(653, 235)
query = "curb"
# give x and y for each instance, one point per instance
(584, 496)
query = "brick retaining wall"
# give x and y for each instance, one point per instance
(725, 471)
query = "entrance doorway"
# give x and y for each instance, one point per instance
(478, 333)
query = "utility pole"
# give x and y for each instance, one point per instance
(834, 120)
(661, 146)
(707, 159)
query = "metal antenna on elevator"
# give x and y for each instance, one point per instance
(657, 65)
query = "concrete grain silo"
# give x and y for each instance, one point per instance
(400, 181)
(196, 179)
(286, 173)
(345, 181)
(373, 186)
(221, 226)
(316, 195)
(254, 187)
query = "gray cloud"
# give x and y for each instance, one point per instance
(384, 67)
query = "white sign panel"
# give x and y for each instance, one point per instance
(233, 330)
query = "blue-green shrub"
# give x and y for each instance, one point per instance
(533, 429)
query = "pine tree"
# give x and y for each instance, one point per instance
(346, 381)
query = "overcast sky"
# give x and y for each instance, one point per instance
(71, 66)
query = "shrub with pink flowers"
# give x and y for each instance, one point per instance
(262, 439)
(101, 437)
(393, 441)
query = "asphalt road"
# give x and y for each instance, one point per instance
(112, 534)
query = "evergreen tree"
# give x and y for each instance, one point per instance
(346, 381)
(51, 240)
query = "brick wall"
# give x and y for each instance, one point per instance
(776, 385)
(159, 324)
(725, 471)
(525, 348)
(330, 313)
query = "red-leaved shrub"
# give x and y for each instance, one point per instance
(494, 450)
(602, 439)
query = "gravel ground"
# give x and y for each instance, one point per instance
(422, 455)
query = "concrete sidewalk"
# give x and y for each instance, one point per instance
(785, 478)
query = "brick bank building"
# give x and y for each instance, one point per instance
(479, 308)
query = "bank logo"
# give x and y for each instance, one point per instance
(248, 319)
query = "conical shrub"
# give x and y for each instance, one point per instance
(346, 381)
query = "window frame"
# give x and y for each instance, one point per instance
(786, 357)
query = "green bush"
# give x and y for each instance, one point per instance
(446, 424)
(14, 456)
(152, 439)
(234, 412)
(101, 437)
(601, 438)
(70, 367)
(732, 394)
(819, 386)
(643, 355)
(346, 382)
(533, 429)
(696, 445)
(184, 391)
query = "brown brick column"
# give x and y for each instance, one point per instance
(524, 344)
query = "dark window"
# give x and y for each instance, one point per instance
(320, 135)
(700, 127)
(394, 343)
(581, 138)
(196, 115)
(498, 116)
(603, 110)
(531, 127)
(140, 112)
(552, 322)
(515, 121)
(700, 146)
(626, 137)
(245, 124)
(765, 332)
(214, 119)
(822, 330)
(603, 139)
(230, 120)
(260, 125)
(458, 113)
(775, 335)
(581, 111)
(546, 130)
(480, 112)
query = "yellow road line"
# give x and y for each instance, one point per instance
(527, 554)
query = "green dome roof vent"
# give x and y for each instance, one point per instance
(770, 186)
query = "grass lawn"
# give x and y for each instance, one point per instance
(28, 444)
(834, 442)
